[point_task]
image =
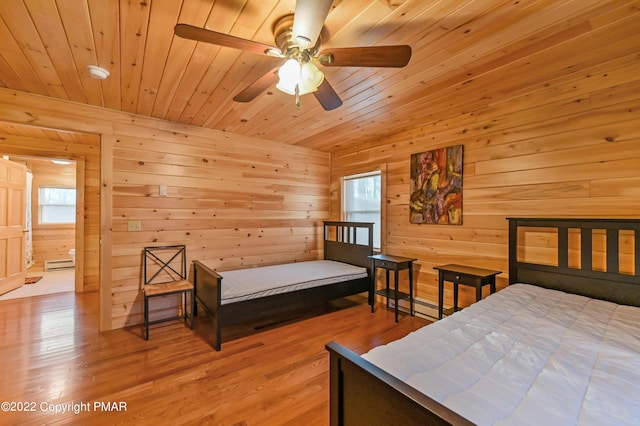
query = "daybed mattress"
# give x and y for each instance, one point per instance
(252, 283)
(527, 355)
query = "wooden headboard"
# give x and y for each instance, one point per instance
(349, 242)
(608, 269)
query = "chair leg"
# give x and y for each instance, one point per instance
(187, 308)
(185, 314)
(192, 310)
(146, 318)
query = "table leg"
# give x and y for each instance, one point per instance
(478, 291)
(455, 296)
(372, 290)
(411, 307)
(492, 284)
(440, 293)
(387, 280)
(395, 295)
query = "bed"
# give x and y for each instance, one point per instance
(234, 297)
(559, 345)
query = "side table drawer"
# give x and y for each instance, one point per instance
(459, 277)
(384, 264)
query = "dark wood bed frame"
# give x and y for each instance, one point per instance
(341, 243)
(361, 393)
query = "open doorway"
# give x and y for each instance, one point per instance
(86, 150)
(50, 231)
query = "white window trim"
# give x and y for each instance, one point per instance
(381, 171)
(40, 205)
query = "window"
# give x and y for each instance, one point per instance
(56, 205)
(362, 202)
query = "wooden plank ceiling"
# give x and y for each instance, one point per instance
(466, 55)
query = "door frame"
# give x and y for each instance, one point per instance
(80, 207)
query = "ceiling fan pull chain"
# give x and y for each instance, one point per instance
(298, 95)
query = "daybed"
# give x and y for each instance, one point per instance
(233, 297)
(564, 348)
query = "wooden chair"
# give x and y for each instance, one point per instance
(165, 273)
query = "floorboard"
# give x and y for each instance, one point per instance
(270, 372)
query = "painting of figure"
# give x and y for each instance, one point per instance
(436, 186)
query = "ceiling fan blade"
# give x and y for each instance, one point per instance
(308, 20)
(327, 97)
(213, 37)
(374, 56)
(257, 87)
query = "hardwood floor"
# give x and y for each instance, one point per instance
(53, 357)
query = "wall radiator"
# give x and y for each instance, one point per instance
(57, 265)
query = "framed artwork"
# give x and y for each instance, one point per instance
(436, 186)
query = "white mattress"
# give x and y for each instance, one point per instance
(252, 283)
(527, 355)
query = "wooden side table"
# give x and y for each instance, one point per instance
(395, 264)
(467, 275)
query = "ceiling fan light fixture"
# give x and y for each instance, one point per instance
(310, 78)
(289, 75)
(306, 77)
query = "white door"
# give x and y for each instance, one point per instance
(13, 184)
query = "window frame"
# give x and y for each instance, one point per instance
(41, 204)
(379, 171)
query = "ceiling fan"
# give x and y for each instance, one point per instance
(298, 39)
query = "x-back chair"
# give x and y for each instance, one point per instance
(165, 273)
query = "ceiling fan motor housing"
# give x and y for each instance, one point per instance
(288, 45)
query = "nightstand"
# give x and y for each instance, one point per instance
(395, 264)
(466, 275)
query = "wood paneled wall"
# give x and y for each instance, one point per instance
(568, 148)
(240, 200)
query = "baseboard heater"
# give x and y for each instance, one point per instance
(423, 307)
(58, 265)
